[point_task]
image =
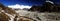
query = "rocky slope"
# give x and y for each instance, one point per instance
(8, 14)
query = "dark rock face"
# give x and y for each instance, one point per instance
(35, 8)
(47, 7)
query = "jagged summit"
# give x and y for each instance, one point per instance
(50, 1)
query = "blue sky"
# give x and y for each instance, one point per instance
(25, 2)
(21, 2)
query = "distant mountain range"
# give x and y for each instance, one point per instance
(18, 6)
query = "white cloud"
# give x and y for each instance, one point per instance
(19, 6)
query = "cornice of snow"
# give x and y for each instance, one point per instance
(50, 2)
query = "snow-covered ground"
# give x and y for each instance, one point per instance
(34, 15)
(54, 16)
